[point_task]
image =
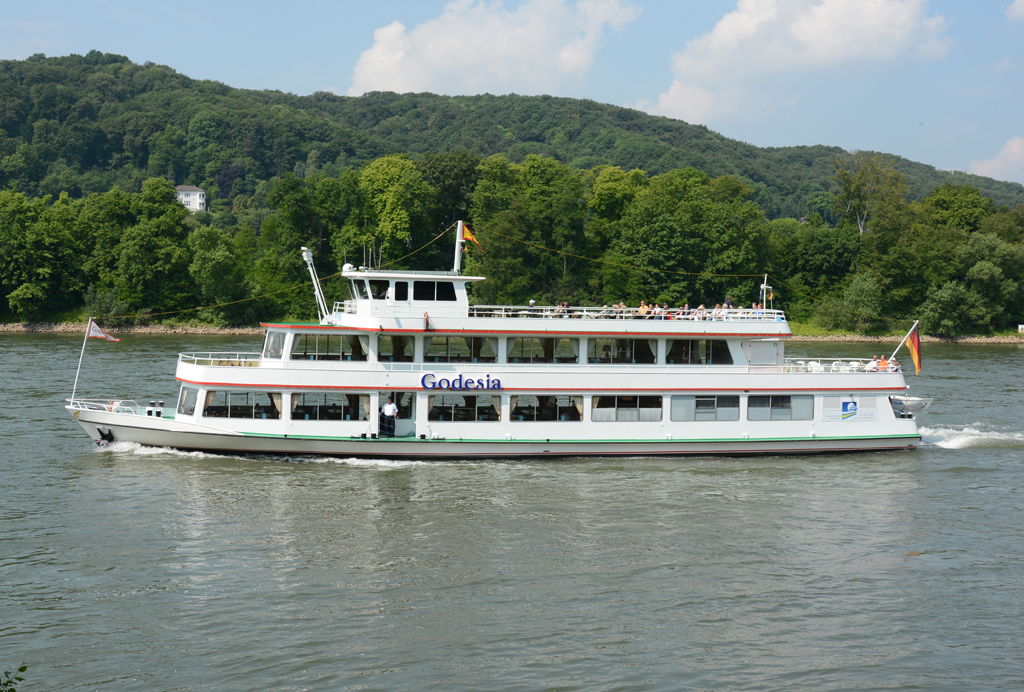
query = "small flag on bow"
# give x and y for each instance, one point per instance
(96, 333)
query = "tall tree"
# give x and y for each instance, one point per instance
(870, 187)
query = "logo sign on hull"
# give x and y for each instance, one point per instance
(431, 381)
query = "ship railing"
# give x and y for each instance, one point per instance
(129, 406)
(228, 359)
(379, 308)
(823, 365)
(607, 313)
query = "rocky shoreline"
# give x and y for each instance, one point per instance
(75, 328)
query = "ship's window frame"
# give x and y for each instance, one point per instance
(330, 346)
(542, 349)
(402, 290)
(273, 345)
(775, 407)
(448, 348)
(187, 400)
(386, 348)
(546, 408)
(430, 291)
(628, 408)
(621, 351)
(698, 352)
(244, 404)
(379, 288)
(357, 288)
(329, 406)
(474, 408)
(704, 407)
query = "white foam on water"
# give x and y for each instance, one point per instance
(136, 449)
(969, 436)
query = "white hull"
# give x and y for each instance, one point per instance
(155, 432)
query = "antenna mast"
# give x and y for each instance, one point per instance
(459, 242)
(321, 303)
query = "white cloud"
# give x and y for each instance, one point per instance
(1015, 10)
(1008, 164)
(764, 37)
(477, 46)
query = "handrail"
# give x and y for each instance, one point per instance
(829, 365)
(440, 309)
(129, 406)
(248, 359)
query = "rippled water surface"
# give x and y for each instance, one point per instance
(141, 569)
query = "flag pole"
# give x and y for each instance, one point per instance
(904, 340)
(88, 327)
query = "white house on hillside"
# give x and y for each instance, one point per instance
(194, 198)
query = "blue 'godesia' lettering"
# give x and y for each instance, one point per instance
(430, 381)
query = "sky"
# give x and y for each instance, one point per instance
(935, 81)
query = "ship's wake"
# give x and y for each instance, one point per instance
(971, 436)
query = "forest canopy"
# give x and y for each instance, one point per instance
(571, 200)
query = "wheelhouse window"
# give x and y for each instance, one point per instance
(777, 407)
(461, 349)
(705, 407)
(330, 347)
(273, 347)
(456, 407)
(698, 352)
(357, 289)
(563, 408)
(379, 288)
(401, 290)
(542, 350)
(433, 290)
(242, 405)
(318, 406)
(625, 407)
(187, 400)
(395, 348)
(640, 351)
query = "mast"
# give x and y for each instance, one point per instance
(321, 303)
(459, 242)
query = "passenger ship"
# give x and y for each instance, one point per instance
(477, 381)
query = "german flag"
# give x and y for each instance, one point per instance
(914, 345)
(468, 235)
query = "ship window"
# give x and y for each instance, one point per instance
(274, 345)
(456, 407)
(564, 408)
(395, 348)
(542, 350)
(358, 289)
(401, 290)
(705, 407)
(242, 405)
(445, 290)
(643, 351)
(187, 400)
(625, 407)
(433, 290)
(461, 349)
(379, 288)
(698, 352)
(422, 290)
(330, 347)
(329, 406)
(778, 407)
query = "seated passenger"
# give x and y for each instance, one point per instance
(872, 366)
(883, 364)
(641, 314)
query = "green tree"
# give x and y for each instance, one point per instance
(870, 187)
(954, 310)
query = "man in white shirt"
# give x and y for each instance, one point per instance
(390, 412)
(872, 366)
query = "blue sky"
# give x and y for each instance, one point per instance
(936, 81)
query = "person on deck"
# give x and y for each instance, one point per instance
(389, 414)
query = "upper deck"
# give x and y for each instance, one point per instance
(439, 302)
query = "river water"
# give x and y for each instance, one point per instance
(140, 569)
